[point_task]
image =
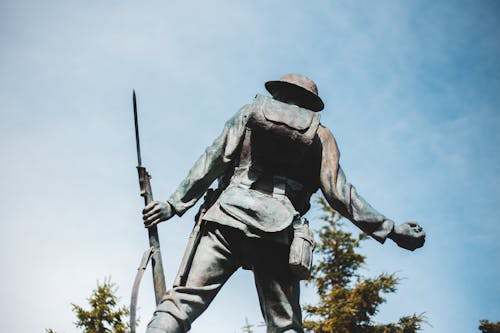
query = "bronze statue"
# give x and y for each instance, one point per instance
(272, 155)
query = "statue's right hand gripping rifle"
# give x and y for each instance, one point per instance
(153, 253)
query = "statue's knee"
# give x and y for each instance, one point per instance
(163, 322)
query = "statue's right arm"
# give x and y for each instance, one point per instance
(344, 198)
(211, 164)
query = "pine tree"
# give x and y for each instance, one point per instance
(348, 301)
(104, 315)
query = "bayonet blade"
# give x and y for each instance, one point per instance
(136, 122)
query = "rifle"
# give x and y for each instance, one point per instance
(153, 253)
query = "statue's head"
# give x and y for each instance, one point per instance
(296, 89)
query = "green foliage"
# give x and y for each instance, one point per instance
(348, 301)
(104, 315)
(486, 326)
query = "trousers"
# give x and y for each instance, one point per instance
(220, 252)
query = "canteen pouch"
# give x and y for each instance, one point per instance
(301, 249)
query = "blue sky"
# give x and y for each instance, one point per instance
(412, 94)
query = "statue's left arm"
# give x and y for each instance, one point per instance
(344, 198)
(210, 165)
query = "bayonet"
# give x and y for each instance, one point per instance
(136, 123)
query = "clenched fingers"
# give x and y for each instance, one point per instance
(153, 219)
(155, 210)
(150, 207)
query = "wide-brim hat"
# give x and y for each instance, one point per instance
(299, 88)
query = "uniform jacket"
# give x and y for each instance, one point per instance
(263, 200)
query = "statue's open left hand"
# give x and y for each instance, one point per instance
(408, 235)
(156, 212)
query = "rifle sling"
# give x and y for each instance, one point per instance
(137, 282)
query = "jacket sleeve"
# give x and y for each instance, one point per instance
(211, 164)
(343, 197)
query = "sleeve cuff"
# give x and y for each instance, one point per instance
(380, 235)
(177, 206)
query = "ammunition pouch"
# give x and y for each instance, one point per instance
(301, 249)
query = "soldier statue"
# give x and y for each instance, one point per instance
(272, 155)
